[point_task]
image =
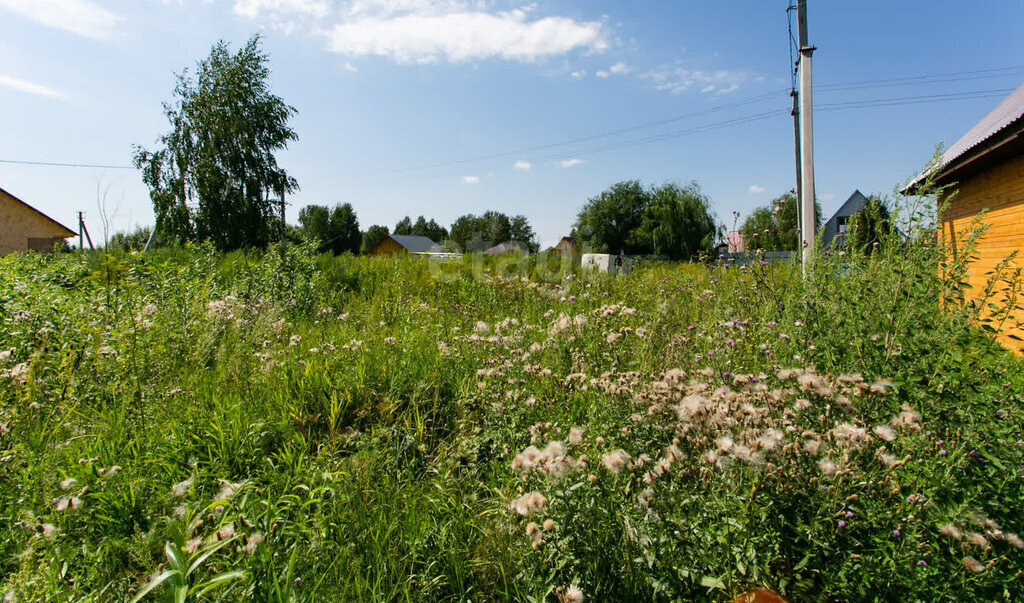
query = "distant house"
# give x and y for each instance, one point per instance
(734, 240)
(986, 170)
(565, 246)
(834, 230)
(508, 247)
(413, 244)
(25, 228)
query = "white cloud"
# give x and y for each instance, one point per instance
(619, 68)
(680, 80)
(81, 17)
(522, 166)
(351, 67)
(254, 8)
(756, 189)
(414, 31)
(828, 196)
(568, 163)
(578, 75)
(28, 87)
(470, 179)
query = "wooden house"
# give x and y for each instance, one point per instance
(565, 246)
(25, 228)
(416, 245)
(985, 168)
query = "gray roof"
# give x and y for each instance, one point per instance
(416, 244)
(831, 228)
(1008, 112)
(507, 247)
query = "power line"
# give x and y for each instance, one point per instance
(914, 100)
(956, 76)
(571, 141)
(920, 80)
(77, 165)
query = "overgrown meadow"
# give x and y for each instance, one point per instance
(280, 426)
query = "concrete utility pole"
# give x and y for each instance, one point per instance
(796, 146)
(808, 228)
(83, 230)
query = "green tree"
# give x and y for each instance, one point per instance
(373, 235)
(466, 234)
(336, 231)
(671, 220)
(869, 227)
(432, 230)
(215, 175)
(496, 227)
(608, 220)
(404, 227)
(521, 231)
(774, 227)
(678, 222)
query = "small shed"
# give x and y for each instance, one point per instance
(508, 247)
(985, 169)
(834, 230)
(605, 263)
(25, 228)
(413, 244)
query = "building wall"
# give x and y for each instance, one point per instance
(1000, 191)
(19, 224)
(387, 247)
(570, 248)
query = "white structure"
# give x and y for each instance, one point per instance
(605, 263)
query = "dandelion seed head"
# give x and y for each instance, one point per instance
(885, 432)
(973, 565)
(977, 539)
(615, 460)
(529, 503)
(573, 594)
(951, 531)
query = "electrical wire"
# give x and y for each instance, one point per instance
(77, 165)
(775, 94)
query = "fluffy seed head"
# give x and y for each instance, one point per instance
(973, 565)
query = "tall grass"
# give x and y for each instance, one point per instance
(381, 429)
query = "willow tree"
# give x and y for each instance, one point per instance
(215, 177)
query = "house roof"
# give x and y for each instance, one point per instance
(70, 233)
(507, 247)
(830, 230)
(417, 244)
(1001, 125)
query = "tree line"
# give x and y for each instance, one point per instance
(215, 178)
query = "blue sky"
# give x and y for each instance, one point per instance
(447, 107)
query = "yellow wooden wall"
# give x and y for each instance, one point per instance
(1000, 191)
(387, 247)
